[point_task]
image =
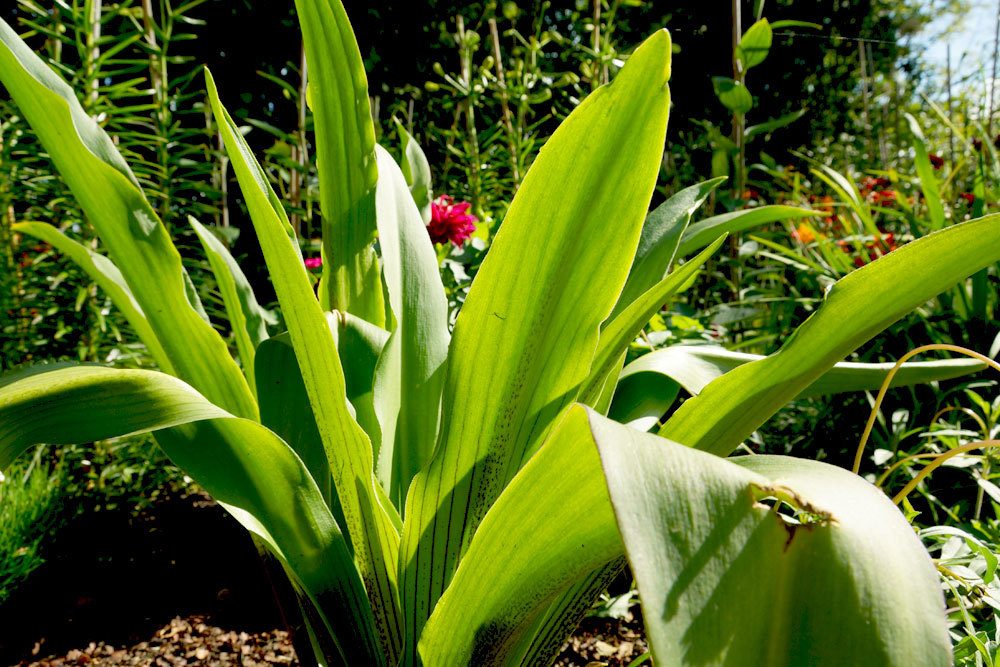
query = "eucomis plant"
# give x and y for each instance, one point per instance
(459, 497)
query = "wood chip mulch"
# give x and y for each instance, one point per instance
(193, 641)
(604, 641)
(183, 642)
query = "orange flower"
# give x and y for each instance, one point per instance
(804, 233)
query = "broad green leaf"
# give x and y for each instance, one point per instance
(360, 344)
(733, 94)
(284, 401)
(620, 332)
(661, 235)
(542, 645)
(651, 383)
(349, 451)
(71, 404)
(246, 317)
(417, 172)
(928, 181)
(285, 409)
(725, 579)
(410, 373)
(856, 308)
(243, 465)
(755, 44)
(549, 529)
(136, 240)
(641, 399)
(703, 232)
(525, 338)
(345, 156)
(103, 272)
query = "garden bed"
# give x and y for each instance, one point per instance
(181, 583)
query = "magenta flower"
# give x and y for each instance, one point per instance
(451, 221)
(314, 262)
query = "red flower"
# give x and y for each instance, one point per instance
(871, 250)
(314, 262)
(883, 197)
(936, 160)
(870, 184)
(451, 221)
(968, 197)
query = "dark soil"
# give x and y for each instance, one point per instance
(182, 584)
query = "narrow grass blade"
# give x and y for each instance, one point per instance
(928, 181)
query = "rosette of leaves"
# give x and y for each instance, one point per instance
(458, 497)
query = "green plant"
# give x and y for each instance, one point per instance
(446, 498)
(30, 499)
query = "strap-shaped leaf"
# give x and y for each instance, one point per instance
(694, 366)
(542, 645)
(526, 335)
(345, 155)
(660, 238)
(59, 406)
(103, 272)
(417, 172)
(136, 240)
(284, 401)
(549, 529)
(243, 465)
(725, 579)
(621, 331)
(703, 232)
(372, 531)
(856, 308)
(285, 409)
(360, 345)
(650, 384)
(246, 317)
(410, 373)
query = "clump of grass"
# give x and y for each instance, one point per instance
(30, 499)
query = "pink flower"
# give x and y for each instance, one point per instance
(314, 263)
(451, 221)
